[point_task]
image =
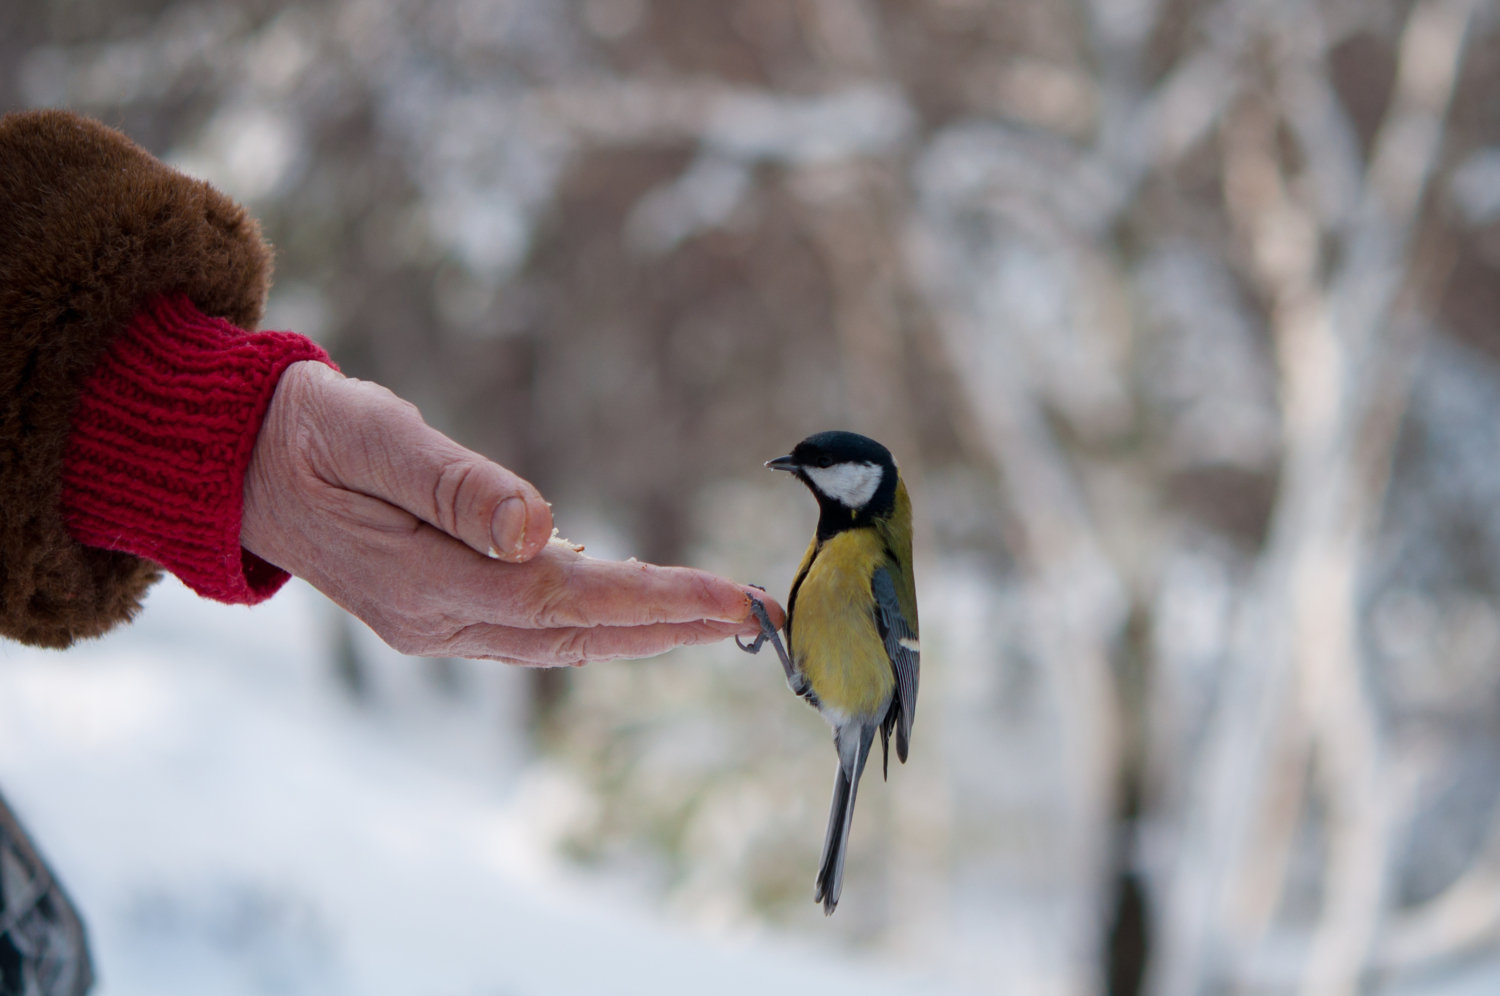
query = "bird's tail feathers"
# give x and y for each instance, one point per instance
(892, 721)
(854, 750)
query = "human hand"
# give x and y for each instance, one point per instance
(446, 554)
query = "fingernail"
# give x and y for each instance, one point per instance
(508, 526)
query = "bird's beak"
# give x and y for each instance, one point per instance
(782, 463)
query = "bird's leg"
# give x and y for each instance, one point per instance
(766, 629)
(768, 632)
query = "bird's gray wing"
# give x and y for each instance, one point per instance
(902, 648)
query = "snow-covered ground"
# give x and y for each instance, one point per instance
(229, 822)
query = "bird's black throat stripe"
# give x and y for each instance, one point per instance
(835, 517)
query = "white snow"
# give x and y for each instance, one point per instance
(230, 823)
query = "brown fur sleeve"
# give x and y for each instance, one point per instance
(91, 227)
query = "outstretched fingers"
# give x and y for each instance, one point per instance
(418, 573)
(581, 645)
(560, 587)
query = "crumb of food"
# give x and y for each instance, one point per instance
(558, 539)
(493, 554)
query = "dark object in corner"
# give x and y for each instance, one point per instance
(43, 948)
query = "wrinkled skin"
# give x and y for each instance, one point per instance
(446, 554)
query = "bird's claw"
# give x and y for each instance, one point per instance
(753, 648)
(768, 632)
(759, 609)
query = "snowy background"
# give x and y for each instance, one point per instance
(231, 824)
(1183, 319)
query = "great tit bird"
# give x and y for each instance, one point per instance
(851, 618)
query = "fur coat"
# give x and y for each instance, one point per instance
(91, 227)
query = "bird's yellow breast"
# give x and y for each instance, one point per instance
(834, 639)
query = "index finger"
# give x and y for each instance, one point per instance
(561, 587)
(438, 577)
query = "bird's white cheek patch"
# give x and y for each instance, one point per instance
(911, 645)
(852, 484)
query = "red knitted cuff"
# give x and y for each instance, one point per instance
(161, 438)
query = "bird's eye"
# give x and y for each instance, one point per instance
(825, 460)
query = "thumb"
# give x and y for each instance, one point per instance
(380, 446)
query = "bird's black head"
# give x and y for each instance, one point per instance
(852, 476)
